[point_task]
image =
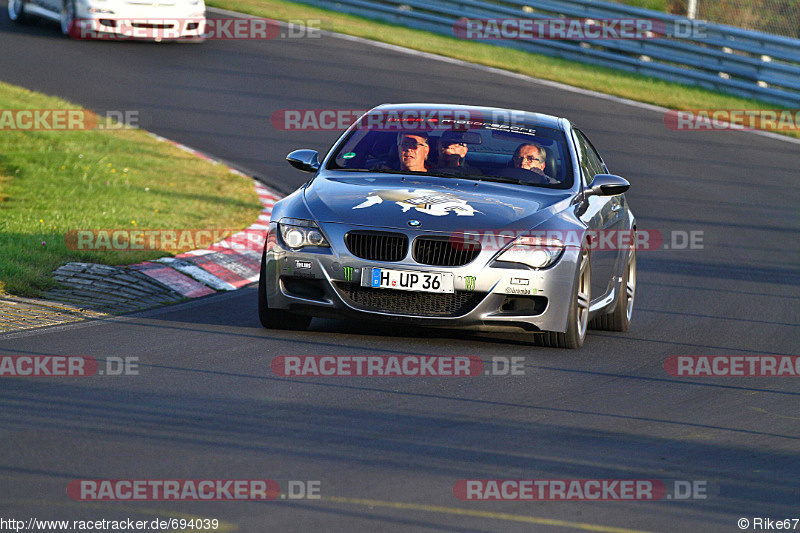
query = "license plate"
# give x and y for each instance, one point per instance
(407, 280)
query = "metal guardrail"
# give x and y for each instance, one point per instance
(724, 58)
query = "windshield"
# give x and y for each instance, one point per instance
(528, 155)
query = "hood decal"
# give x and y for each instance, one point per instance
(426, 201)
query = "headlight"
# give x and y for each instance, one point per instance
(533, 251)
(297, 233)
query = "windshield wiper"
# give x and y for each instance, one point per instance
(500, 179)
(471, 177)
(379, 171)
(479, 178)
(399, 172)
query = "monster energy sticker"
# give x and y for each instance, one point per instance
(469, 282)
(348, 273)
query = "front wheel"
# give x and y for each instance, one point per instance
(578, 311)
(16, 11)
(68, 23)
(620, 318)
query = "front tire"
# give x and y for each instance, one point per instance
(68, 24)
(578, 312)
(16, 11)
(620, 318)
(276, 318)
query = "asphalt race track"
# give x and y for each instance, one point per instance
(388, 451)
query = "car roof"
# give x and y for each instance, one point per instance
(537, 119)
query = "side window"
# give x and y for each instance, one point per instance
(591, 164)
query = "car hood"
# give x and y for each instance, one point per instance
(437, 204)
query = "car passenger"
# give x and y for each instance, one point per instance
(530, 156)
(452, 153)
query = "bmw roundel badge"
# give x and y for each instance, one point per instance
(413, 223)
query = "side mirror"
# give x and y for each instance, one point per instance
(305, 160)
(607, 185)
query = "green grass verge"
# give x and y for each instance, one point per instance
(605, 80)
(655, 5)
(52, 182)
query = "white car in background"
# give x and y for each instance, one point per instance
(118, 19)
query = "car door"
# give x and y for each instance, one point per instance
(603, 215)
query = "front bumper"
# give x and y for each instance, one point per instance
(133, 21)
(327, 283)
